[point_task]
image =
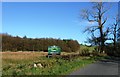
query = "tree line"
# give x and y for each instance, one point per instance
(10, 43)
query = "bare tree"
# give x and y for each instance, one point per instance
(97, 15)
(115, 31)
(118, 35)
(118, 31)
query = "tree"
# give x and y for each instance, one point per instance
(113, 48)
(25, 37)
(118, 34)
(97, 15)
(115, 31)
(10, 43)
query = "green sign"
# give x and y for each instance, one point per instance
(54, 50)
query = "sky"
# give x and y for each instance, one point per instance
(48, 19)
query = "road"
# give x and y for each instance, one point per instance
(103, 67)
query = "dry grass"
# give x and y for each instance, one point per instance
(66, 53)
(26, 55)
(22, 55)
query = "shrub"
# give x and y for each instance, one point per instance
(84, 52)
(95, 53)
(110, 50)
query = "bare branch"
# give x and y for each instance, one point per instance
(106, 32)
(104, 22)
(85, 14)
(91, 29)
(118, 29)
(103, 12)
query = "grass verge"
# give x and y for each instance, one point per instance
(50, 66)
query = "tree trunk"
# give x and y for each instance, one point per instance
(101, 32)
(114, 40)
(101, 40)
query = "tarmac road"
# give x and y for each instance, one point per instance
(103, 67)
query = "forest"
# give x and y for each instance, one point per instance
(16, 43)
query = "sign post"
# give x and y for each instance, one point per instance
(54, 50)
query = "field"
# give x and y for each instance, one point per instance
(22, 63)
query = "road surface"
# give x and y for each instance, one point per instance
(103, 67)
